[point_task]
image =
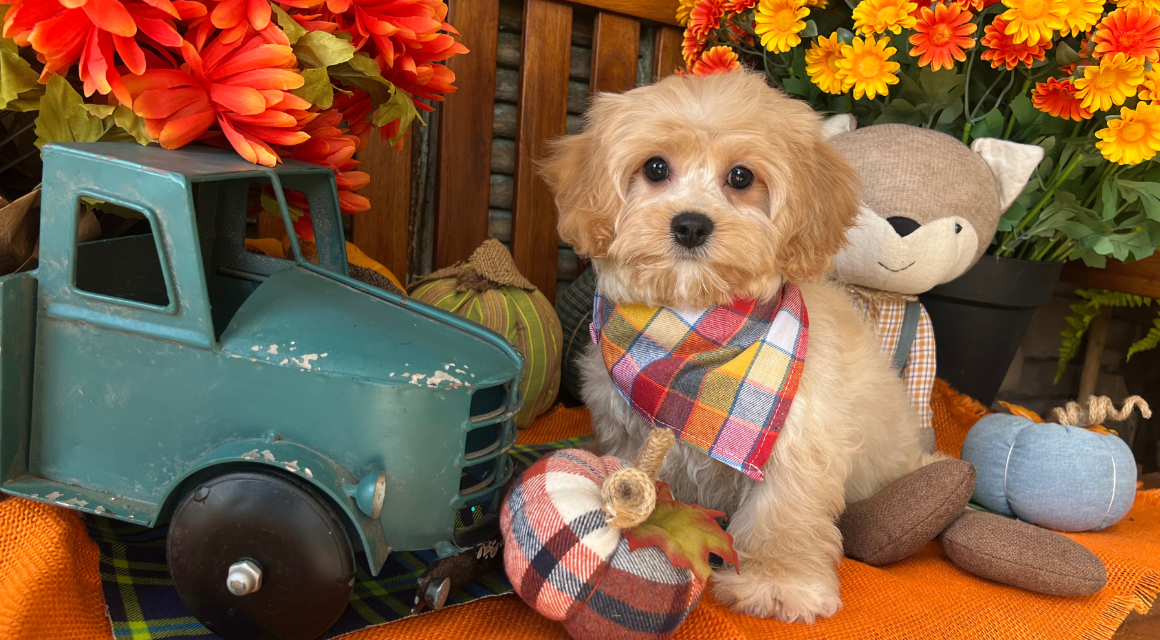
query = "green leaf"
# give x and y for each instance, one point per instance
(1064, 54)
(811, 30)
(1110, 198)
(133, 124)
(845, 36)
(317, 89)
(952, 112)
(1148, 194)
(101, 111)
(994, 121)
(63, 116)
(902, 106)
(687, 534)
(318, 49)
(289, 25)
(398, 107)
(18, 82)
(1149, 341)
(796, 86)
(365, 65)
(1025, 112)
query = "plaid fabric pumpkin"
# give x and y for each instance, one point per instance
(566, 563)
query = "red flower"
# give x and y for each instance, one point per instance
(405, 37)
(1132, 32)
(1057, 97)
(704, 18)
(1002, 50)
(356, 111)
(739, 6)
(941, 35)
(242, 87)
(691, 48)
(716, 60)
(331, 146)
(91, 32)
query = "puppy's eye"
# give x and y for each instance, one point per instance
(740, 178)
(958, 227)
(656, 170)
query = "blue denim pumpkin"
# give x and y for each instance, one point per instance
(1056, 476)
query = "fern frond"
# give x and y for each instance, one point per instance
(1077, 325)
(1151, 340)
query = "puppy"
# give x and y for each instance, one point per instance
(769, 201)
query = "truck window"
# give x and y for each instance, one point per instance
(123, 261)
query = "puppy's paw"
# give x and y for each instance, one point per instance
(789, 599)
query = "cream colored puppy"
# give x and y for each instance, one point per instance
(778, 200)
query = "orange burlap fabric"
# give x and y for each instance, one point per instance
(49, 586)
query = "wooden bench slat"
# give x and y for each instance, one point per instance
(615, 48)
(543, 103)
(465, 131)
(663, 11)
(384, 231)
(667, 58)
(1141, 278)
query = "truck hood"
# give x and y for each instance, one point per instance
(299, 318)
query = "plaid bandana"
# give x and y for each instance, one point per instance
(722, 379)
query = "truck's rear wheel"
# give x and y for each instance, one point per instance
(282, 550)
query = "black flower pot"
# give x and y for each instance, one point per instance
(979, 320)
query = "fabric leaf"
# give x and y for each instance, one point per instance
(319, 49)
(17, 79)
(289, 25)
(398, 107)
(63, 116)
(686, 533)
(317, 88)
(132, 124)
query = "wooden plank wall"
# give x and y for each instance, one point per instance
(496, 125)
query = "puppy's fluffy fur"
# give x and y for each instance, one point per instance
(851, 429)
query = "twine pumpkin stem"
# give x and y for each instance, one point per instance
(630, 493)
(1099, 408)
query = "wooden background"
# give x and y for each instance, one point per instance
(434, 201)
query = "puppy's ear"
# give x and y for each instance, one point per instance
(821, 203)
(587, 186)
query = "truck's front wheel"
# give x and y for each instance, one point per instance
(259, 555)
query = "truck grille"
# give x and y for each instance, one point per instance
(491, 432)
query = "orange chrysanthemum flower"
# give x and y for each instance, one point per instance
(1131, 32)
(705, 17)
(879, 16)
(941, 35)
(331, 145)
(407, 38)
(243, 87)
(691, 48)
(1133, 137)
(91, 32)
(1112, 82)
(1149, 90)
(1003, 50)
(1033, 21)
(1058, 98)
(1142, 5)
(684, 8)
(738, 6)
(1081, 15)
(720, 59)
(822, 64)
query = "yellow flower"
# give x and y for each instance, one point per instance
(1114, 81)
(1150, 5)
(876, 16)
(1034, 21)
(779, 22)
(820, 4)
(1081, 15)
(1134, 137)
(822, 64)
(1149, 89)
(684, 8)
(865, 65)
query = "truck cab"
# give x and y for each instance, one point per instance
(139, 371)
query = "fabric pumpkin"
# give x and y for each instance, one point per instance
(568, 564)
(1056, 476)
(488, 289)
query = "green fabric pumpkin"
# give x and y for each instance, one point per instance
(489, 290)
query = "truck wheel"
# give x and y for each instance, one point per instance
(258, 555)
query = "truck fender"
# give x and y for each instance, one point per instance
(327, 476)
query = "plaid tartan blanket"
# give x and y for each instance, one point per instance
(143, 603)
(721, 379)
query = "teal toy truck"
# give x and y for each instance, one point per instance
(278, 413)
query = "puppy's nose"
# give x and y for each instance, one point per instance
(903, 226)
(691, 229)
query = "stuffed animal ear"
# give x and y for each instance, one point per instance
(841, 123)
(1011, 165)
